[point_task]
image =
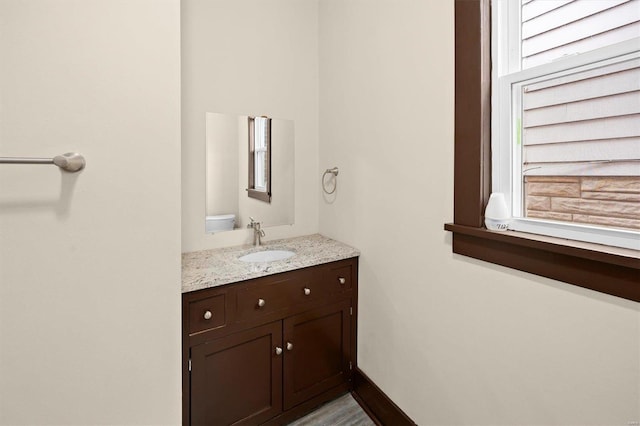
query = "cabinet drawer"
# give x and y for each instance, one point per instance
(339, 278)
(262, 298)
(266, 296)
(205, 314)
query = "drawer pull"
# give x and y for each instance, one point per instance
(307, 291)
(261, 302)
(342, 280)
(278, 350)
(208, 315)
(289, 346)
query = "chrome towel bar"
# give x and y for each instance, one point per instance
(69, 162)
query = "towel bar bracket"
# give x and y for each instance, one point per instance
(69, 162)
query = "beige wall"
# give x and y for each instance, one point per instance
(90, 262)
(219, 74)
(451, 340)
(223, 156)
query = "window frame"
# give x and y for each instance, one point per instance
(252, 190)
(605, 269)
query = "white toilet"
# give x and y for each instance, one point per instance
(222, 222)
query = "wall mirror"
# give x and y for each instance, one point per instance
(249, 171)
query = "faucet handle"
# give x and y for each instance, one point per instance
(258, 232)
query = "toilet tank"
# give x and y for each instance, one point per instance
(218, 223)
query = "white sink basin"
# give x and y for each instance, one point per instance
(267, 256)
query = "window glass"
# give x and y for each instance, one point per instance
(552, 29)
(260, 154)
(566, 125)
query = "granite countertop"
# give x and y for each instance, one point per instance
(211, 268)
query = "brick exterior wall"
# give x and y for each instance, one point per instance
(612, 201)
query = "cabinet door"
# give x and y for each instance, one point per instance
(237, 379)
(317, 352)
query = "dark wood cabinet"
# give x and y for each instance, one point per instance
(317, 356)
(268, 350)
(237, 379)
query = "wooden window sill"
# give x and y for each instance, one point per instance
(610, 270)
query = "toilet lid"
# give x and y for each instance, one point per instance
(222, 217)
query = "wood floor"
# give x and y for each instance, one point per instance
(344, 411)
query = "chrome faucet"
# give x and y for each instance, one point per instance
(258, 232)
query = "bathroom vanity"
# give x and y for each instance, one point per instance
(267, 342)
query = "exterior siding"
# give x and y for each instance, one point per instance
(552, 29)
(571, 121)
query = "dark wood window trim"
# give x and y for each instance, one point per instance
(600, 268)
(251, 190)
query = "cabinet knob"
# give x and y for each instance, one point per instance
(261, 302)
(342, 280)
(208, 315)
(307, 291)
(289, 346)
(278, 350)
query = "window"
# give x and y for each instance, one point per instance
(260, 158)
(566, 117)
(597, 267)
